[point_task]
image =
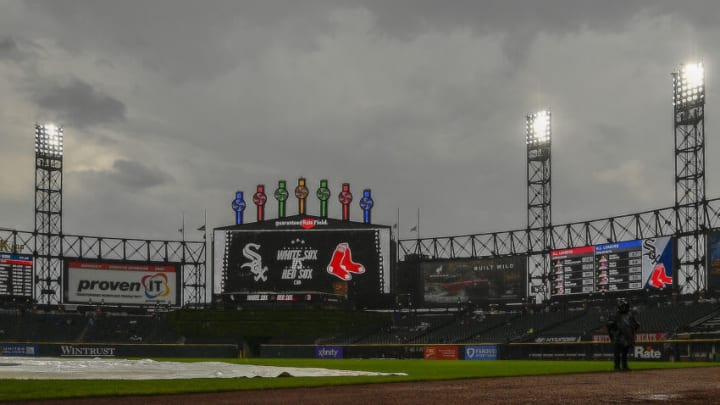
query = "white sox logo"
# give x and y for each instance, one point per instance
(651, 253)
(255, 263)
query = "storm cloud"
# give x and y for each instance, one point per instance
(78, 104)
(9, 49)
(137, 175)
(422, 101)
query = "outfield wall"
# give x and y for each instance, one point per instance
(659, 350)
(119, 350)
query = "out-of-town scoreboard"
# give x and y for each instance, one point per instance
(16, 275)
(645, 264)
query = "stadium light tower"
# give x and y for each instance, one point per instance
(537, 135)
(48, 212)
(689, 123)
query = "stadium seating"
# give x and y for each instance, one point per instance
(671, 318)
(334, 326)
(581, 324)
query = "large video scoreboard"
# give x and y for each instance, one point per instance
(481, 281)
(613, 267)
(301, 258)
(713, 261)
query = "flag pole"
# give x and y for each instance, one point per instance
(212, 269)
(204, 250)
(418, 223)
(397, 225)
(182, 226)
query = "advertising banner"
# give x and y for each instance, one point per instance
(440, 352)
(138, 350)
(87, 351)
(479, 281)
(646, 352)
(481, 352)
(639, 337)
(18, 349)
(328, 352)
(122, 283)
(557, 339)
(351, 263)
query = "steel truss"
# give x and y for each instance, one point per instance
(690, 191)
(689, 131)
(539, 213)
(643, 225)
(190, 255)
(48, 223)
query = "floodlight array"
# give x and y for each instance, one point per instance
(689, 86)
(538, 128)
(48, 140)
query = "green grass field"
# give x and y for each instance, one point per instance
(416, 370)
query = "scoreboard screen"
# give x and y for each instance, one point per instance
(281, 260)
(573, 270)
(16, 275)
(481, 281)
(618, 266)
(713, 258)
(610, 267)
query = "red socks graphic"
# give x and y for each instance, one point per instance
(347, 261)
(341, 263)
(659, 277)
(335, 267)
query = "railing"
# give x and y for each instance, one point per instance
(189, 254)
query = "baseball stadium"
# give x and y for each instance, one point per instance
(347, 311)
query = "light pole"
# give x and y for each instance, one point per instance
(538, 141)
(48, 212)
(689, 124)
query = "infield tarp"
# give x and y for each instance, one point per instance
(38, 368)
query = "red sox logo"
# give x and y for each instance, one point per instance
(341, 264)
(659, 277)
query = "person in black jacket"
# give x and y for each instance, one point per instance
(622, 330)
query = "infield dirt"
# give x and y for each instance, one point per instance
(675, 386)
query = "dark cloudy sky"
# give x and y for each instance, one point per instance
(171, 106)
